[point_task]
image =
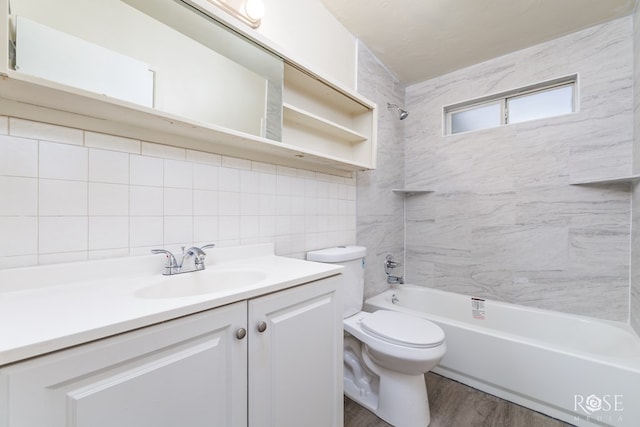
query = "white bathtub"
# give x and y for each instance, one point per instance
(578, 369)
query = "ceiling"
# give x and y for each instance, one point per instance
(421, 39)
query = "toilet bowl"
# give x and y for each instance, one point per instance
(386, 353)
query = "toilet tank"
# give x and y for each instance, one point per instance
(352, 259)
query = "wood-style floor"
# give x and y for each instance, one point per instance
(456, 405)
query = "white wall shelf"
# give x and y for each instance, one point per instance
(306, 119)
(319, 118)
(32, 98)
(628, 178)
(326, 127)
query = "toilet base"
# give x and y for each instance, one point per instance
(401, 400)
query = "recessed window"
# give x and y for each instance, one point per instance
(548, 99)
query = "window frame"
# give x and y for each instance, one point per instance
(503, 99)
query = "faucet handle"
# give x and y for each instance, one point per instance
(171, 262)
(209, 246)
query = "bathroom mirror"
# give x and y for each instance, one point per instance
(200, 69)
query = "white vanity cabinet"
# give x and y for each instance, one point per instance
(295, 357)
(214, 368)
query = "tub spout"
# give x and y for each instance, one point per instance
(395, 280)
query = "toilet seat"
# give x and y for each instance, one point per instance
(402, 329)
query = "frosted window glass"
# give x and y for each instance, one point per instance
(481, 117)
(548, 103)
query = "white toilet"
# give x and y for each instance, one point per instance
(386, 353)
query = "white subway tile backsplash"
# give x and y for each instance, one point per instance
(112, 142)
(284, 170)
(146, 231)
(19, 236)
(178, 202)
(249, 227)
(283, 205)
(249, 181)
(18, 261)
(229, 228)
(19, 196)
(283, 225)
(202, 157)
(267, 183)
(205, 229)
(62, 161)
(58, 257)
(117, 196)
(205, 202)
(228, 203)
(268, 226)
(164, 151)
(108, 199)
(283, 245)
(178, 230)
(297, 224)
(205, 177)
(62, 198)
(18, 156)
(146, 201)
(108, 253)
(146, 171)
(236, 163)
(62, 234)
(108, 166)
(229, 179)
(297, 205)
(306, 175)
(283, 185)
(268, 204)
(45, 131)
(249, 204)
(108, 232)
(297, 187)
(311, 188)
(263, 167)
(178, 174)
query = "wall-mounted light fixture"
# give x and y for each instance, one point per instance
(248, 11)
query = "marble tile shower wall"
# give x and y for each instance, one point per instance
(381, 212)
(635, 223)
(69, 194)
(504, 221)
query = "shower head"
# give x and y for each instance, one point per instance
(403, 113)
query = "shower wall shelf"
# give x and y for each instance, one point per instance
(326, 127)
(628, 178)
(411, 191)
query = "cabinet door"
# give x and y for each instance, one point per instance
(295, 364)
(187, 372)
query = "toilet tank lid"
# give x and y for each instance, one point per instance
(337, 254)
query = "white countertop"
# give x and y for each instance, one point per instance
(47, 308)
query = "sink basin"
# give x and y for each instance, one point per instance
(200, 282)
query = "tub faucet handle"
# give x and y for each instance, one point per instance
(389, 266)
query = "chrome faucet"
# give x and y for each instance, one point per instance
(389, 266)
(192, 260)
